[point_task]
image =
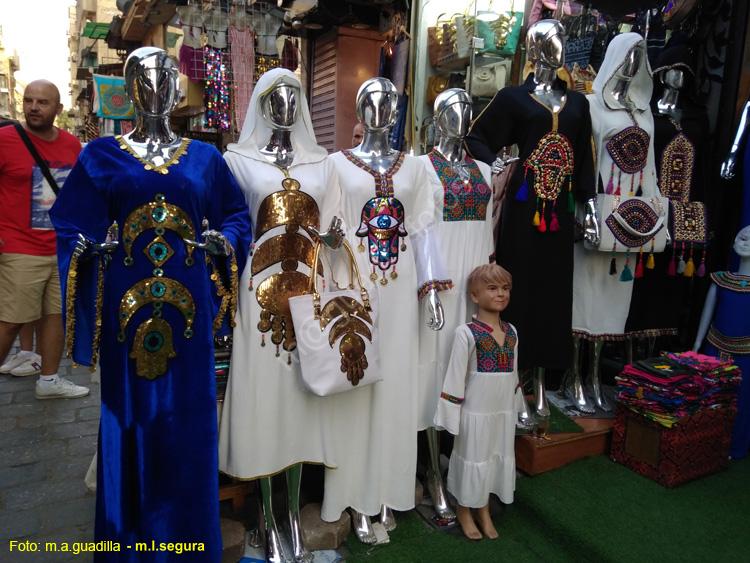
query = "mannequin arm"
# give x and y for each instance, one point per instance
(708, 313)
(730, 163)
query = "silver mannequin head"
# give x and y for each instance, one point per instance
(279, 106)
(632, 63)
(376, 105)
(152, 81)
(673, 78)
(545, 43)
(453, 113)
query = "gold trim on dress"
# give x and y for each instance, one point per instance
(70, 304)
(157, 290)
(160, 216)
(148, 165)
(290, 207)
(291, 246)
(228, 295)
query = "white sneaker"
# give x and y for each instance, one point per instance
(31, 366)
(12, 362)
(60, 389)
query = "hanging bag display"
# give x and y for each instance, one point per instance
(485, 81)
(632, 223)
(501, 35)
(336, 333)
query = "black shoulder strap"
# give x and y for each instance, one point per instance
(35, 155)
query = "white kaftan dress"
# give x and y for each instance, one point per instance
(479, 405)
(270, 421)
(601, 301)
(374, 428)
(464, 228)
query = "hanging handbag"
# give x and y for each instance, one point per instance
(689, 229)
(486, 80)
(629, 222)
(336, 333)
(501, 35)
(440, 39)
(435, 84)
(632, 223)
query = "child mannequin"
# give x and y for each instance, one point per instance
(479, 404)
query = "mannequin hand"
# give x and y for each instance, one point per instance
(435, 309)
(727, 167)
(85, 248)
(499, 164)
(214, 243)
(591, 235)
(333, 237)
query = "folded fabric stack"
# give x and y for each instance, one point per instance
(676, 385)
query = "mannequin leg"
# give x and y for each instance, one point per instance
(573, 382)
(525, 420)
(387, 519)
(293, 481)
(362, 527)
(274, 551)
(435, 480)
(466, 521)
(485, 522)
(629, 350)
(541, 407)
(595, 352)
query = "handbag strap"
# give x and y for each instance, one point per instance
(353, 269)
(35, 155)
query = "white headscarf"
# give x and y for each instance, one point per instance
(256, 132)
(641, 85)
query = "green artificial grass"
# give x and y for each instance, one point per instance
(592, 510)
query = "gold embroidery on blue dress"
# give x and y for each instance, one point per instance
(152, 348)
(294, 209)
(159, 216)
(148, 165)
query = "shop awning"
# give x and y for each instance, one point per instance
(95, 30)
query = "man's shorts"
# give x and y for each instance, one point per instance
(29, 287)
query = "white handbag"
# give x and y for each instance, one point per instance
(485, 81)
(337, 337)
(632, 222)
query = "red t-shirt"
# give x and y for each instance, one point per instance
(25, 196)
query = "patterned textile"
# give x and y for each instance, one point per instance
(465, 199)
(696, 447)
(677, 164)
(734, 282)
(629, 152)
(491, 357)
(639, 216)
(242, 48)
(111, 101)
(689, 222)
(217, 88)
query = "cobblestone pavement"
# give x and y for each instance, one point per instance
(46, 447)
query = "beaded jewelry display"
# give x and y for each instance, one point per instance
(551, 164)
(629, 152)
(382, 220)
(217, 89)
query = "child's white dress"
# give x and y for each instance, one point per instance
(479, 404)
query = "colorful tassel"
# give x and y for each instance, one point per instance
(689, 268)
(613, 266)
(610, 185)
(619, 178)
(536, 220)
(639, 266)
(554, 224)
(702, 268)
(542, 225)
(651, 262)
(571, 202)
(626, 274)
(672, 267)
(681, 266)
(523, 191)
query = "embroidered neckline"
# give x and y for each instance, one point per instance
(147, 165)
(730, 280)
(384, 181)
(555, 114)
(464, 198)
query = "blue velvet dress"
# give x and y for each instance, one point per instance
(152, 312)
(729, 336)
